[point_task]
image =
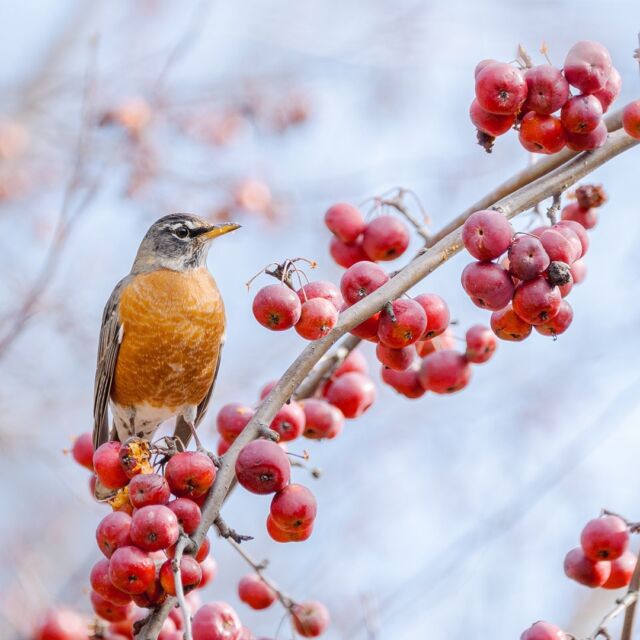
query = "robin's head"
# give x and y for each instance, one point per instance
(178, 242)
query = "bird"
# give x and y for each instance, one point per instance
(162, 333)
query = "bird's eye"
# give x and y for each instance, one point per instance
(181, 232)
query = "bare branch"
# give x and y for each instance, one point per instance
(177, 580)
(629, 614)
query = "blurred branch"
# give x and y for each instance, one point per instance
(629, 614)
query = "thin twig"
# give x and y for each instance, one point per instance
(227, 532)
(177, 579)
(629, 614)
(622, 604)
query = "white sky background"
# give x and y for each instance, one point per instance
(449, 516)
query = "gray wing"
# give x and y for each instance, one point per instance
(108, 347)
(183, 430)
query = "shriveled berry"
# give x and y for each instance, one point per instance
(585, 571)
(190, 473)
(385, 238)
(486, 234)
(322, 420)
(500, 88)
(253, 591)
(481, 344)
(542, 134)
(310, 619)
(559, 274)
(547, 89)
(631, 119)
(353, 393)
(403, 324)
(581, 114)
(360, 280)
(488, 285)
(277, 307)
(345, 221)
(493, 124)
(587, 66)
(232, 419)
(437, 311)
(294, 507)
(262, 467)
(605, 538)
(288, 423)
(444, 371)
(536, 301)
(527, 257)
(131, 570)
(346, 255)
(507, 325)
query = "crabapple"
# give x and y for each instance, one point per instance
(610, 91)
(481, 344)
(621, 571)
(187, 512)
(277, 307)
(108, 610)
(588, 141)
(542, 134)
(580, 231)
(631, 119)
(536, 301)
(500, 88)
(353, 393)
(360, 280)
(587, 66)
(588, 218)
(488, 285)
(321, 289)
(396, 359)
(61, 624)
(190, 575)
(355, 361)
(385, 238)
(346, 255)
(605, 538)
(493, 124)
(507, 325)
(106, 463)
(367, 330)
(445, 340)
(209, 568)
(102, 585)
(322, 420)
(527, 257)
(547, 88)
(581, 114)
(310, 619)
(113, 532)
(486, 234)
(543, 631)
(578, 271)
(281, 535)
(294, 507)
(402, 324)
(317, 317)
(82, 450)
(406, 383)
(559, 323)
(288, 423)
(190, 473)
(481, 65)
(444, 371)
(345, 221)
(561, 244)
(131, 570)
(154, 527)
(232, 419)
(585, 571)
(262, 467)
(215, 621)
(437, 312)
(255, 592)
(148, 488)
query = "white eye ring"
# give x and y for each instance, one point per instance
(181, 232)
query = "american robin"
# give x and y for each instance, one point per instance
(162, 335)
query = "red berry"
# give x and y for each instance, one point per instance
(281, 535)
(536, 301)
(580, 231)
(500, 88)
(481, 344)
(367, 330)
(289, 421)
(547, 89)
(559, 245)
(317, 317)
(437, 312)
(222, 446)
(190, 575)
(216, 621)
(294, 507)
(488, 285)
(588, 141)
(266, 390)
(559, 323)
(385, 238)
(396, 359)
(82, 450)
(527, 257)
(255, 592)
(151, 597)
(131, 570)
(345, 221)
(507, 325)
(360, 280)
(276, 307)
(587, 66)
(486, 234)
(355, 361)
(209, 568)
(262, 467)
(588, 218)
(61, 624)
(321, 289)
(106, 463)
(578, 271)
(446, 340)
(346, 255)
(444, 371)
(605, 538)
(148, 488)
(406, 383)
(109, 611)
(102, 585)
(610, 91)
(631, 119)
(154, 527)
(353, 393)
(581, 114)
(543, 631)
(190, 473)
(542, 134)
(403, 325)
(584, 570)
(310, 619)
(232, 419)
(492, 124)
(481, 65)
(188, 514)
(621, 571)
(113, 532)
(322, 420)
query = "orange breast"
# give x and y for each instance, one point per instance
(173, 325)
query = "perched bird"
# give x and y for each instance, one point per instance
(161, 336)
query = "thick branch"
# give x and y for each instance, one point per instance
(522, 200)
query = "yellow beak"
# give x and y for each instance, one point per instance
(220, 229)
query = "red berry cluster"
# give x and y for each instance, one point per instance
(507, 96)
(354, 240)
(528, 288)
